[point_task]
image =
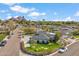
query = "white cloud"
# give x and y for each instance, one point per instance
(15, 16)
(8, 17)
(9, 4)
(20, 9)
(2, 11)
(65, 19)
(55, 13)
(36, 14)
(57, 20)
(77, 13)
(68, 19)
(9, 14)
(43, 13)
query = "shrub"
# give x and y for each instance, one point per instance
(75, 32)
(29, 30)
(57, 36)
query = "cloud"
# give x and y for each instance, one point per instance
(8, 17)
(15, 16)
(55, 13)
(68, 19)
(57, 20)
(9, 4)
(42, 14)
(65, 19)
(20, 9)
(8, 14)
(36, 14)
(3, 11)
(77, 13)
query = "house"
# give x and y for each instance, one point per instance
(39, 31)
(51, 36)
(3, 28)
(40, 38)
(66, 30)
(43, 37)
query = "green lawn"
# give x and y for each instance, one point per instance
(76, 36)
(2, 36)
(43, 48)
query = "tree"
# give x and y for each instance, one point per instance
(57, 36)
(76, 32)
(0, 20)
(29, 30)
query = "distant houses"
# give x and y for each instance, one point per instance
(3, 29)
(66, 30)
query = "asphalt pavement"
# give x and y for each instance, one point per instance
(73, 50)
(12, 47)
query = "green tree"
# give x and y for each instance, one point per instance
(57, 36)
(76, 32)
(29, 30)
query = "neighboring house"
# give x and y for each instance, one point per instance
(66, 30)
(55, 28)
(19, 26)
(3, 28)
(39, 31)
(43, 37)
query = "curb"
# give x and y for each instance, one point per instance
(57, 50)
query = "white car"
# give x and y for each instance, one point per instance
(63, 49)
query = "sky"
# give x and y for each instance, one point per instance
(39, 11)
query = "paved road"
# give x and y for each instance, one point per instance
(12, 47)
(73, 50)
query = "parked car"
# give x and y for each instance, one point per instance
(3, 43)
(63, 49)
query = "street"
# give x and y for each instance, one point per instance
(12, 47)
(73, 50)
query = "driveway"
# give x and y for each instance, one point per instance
(73, 50)
(25, 39)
